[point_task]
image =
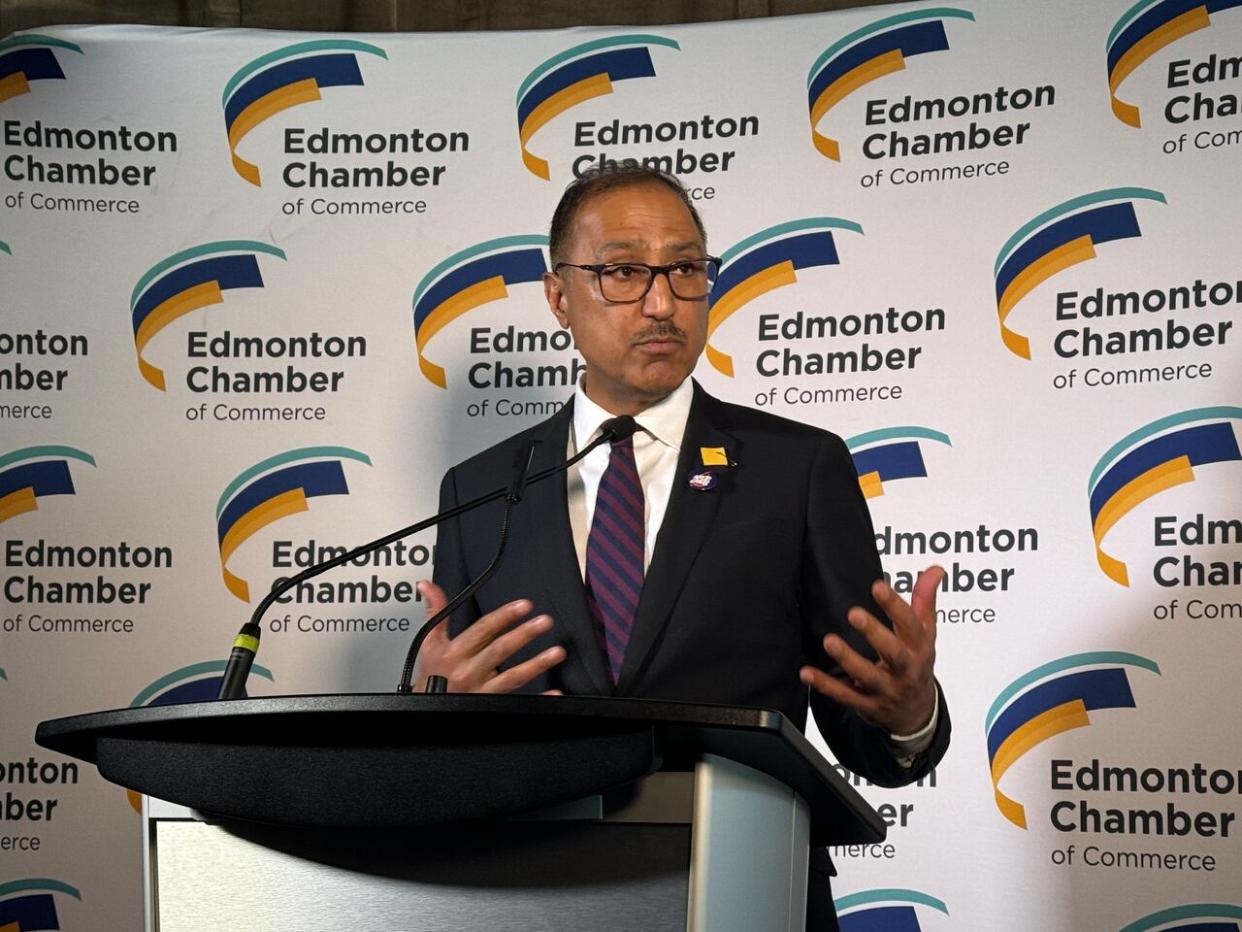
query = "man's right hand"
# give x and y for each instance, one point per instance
(471, 661)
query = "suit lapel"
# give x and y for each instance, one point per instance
(551, 558)
(687, 522)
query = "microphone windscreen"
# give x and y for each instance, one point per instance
(619, 428)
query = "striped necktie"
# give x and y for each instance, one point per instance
(614, 558)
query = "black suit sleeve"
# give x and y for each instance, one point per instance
(839, 565)
(451, 572)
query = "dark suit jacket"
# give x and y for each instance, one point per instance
(745, 580)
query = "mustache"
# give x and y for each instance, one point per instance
(665, 330)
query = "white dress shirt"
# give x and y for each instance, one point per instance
(657, 444)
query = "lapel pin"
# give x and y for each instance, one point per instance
(702, 480)
(714, 456)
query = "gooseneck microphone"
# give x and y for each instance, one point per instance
(246, 644)
(513, 495)
(611, 431)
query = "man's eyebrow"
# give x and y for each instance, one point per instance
(642, 244)
(687, 245)
(620, 244)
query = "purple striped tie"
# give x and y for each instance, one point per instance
(614, 558)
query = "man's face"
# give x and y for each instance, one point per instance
(635, 353)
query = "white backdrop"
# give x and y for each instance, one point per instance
(259, 289)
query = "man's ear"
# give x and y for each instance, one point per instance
(554, 292)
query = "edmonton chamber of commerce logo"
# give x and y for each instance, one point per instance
(31, 473)
(1057, 239)
(468, 279)
(274, 489)
(30, 58)
(1145, 29)
(187, 281)
(283, 79)
(1052, 699)
(889, 910)
(31, 903)
(767, 260)
(870, 53)
(1150, 460)
(199, 682)
(891, 453)
(1193, 917)
(576, 75)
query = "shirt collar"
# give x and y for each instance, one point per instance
(665, 420)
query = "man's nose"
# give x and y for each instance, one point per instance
(660, 302)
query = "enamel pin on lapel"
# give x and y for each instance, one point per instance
(704, 478)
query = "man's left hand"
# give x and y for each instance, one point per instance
(896, 692)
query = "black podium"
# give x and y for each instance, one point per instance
(437, 812)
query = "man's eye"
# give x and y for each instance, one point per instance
(684, 269)
(621, 272)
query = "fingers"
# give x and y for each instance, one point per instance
(862, 670)
(887, 643)
(492, 625)
(433, 596)
(913, 621)
(896, 608)
(518, 676)
(923, 598)
(897, 689)
(838, 691)
(471, 661)
(497, 651)
(900, 706)
(483, 632)
(435, 600)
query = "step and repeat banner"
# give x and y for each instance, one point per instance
(259, 289)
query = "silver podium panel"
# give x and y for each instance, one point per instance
(750, 851)
(523, 879)
(722, 849)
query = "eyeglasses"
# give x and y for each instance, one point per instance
(627, 282)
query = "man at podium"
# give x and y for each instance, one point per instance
(710, 552)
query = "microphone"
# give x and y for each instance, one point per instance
(611, 431)
(521, 466)
(618, 429)
(246, 644)
(237, 670)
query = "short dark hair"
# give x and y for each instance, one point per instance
(599, 180)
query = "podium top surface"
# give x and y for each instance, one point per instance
(372, 760)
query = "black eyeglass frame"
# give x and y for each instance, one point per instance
(599, 267)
